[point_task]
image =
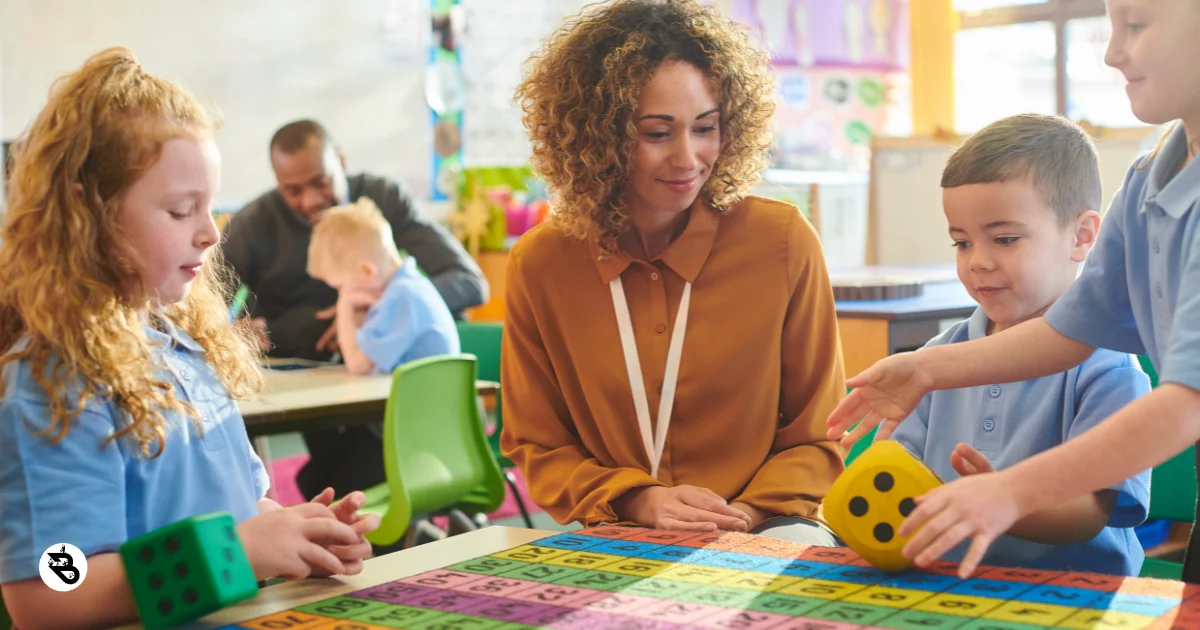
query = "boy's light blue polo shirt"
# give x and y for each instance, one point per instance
(1140, 287)
(1014, 421)
(409, 321)
(96, 496)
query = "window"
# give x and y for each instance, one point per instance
(1035, 56)
(1003, 70)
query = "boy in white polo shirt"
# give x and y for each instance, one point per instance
(1019, 197)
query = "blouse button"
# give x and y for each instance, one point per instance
(661, 328)
(654, 275)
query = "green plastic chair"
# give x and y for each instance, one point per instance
(435, 454)
(5, 621)
(482, 339)
(1172, 495)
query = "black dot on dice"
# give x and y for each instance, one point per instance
(228, 554)
(884, 482)
(156, 581)
(171, 544)
(858, 506)
(146, 554)
(181, 569)
(229, 533)
(883, 532)
(164, 606)
(226, 577)
(907, 506)
(190, 596)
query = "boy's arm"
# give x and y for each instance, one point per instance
(102, 600)
(347, 330)
(1071, 522)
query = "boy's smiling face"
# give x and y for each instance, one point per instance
(1014, 256)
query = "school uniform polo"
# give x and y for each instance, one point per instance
(97, 495)
(1140, 288)
(760, 368)
(1011, 422)
(408, 322)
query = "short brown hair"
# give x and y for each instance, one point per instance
(295, 136)
(1055, 154)
(347, 234)
(582, 88)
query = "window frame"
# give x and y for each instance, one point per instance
(1057, 12)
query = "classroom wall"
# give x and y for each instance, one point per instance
(356, 66)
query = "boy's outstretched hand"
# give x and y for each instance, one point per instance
(979, 507)
(888, 390)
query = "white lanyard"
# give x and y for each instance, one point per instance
(653, 444)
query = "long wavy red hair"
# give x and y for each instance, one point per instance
(65, 266)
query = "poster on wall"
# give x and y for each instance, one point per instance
(825, 118)
(847, 33)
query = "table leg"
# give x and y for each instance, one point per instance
(262, 446)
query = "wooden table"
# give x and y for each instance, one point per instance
(321, 396)
(393, 566)
(872, 330)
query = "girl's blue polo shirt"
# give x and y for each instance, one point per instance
(96, 496)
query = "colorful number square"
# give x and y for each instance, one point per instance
(846, 612)
(830, 555)
(921, 620)
(803, 623)
(888, 597)
(612, 532)
(348, 624)
(789, 605)
(495, 586)
(1090, 619)
(506, 609)
(541, 573)
(774, 547)
(486, 565)
(570, 542)
(675, 554)
(342, 607)
(822, 589)
(447, 601)
(757, 582)
(582, 560)
(922, 581)
(857, 575)
(997, 589)
(393, 592)
(729, 560)
(959, 605)
(743, 620)
(660, 537)
(532, 553)
(1062, 596)
(1093, 581)
(622, 603)
(285, 620)
(678, 612)
(598, 580)
(442, 579)
(559, 595)
(805, 568)
(1158, 588)
(1136, 603)
(635, 566)
(456, 622)
(662, 589)
(718, 596)
(398, 616)
(996, 624)
(624, 548)
(1031, 576)
(1030, 613)
(696, 573)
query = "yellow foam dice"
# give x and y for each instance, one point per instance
(869, 501)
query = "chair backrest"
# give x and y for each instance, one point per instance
(435, 452)
(482, 339)
(1173, 483)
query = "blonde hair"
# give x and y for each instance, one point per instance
(66, 266)
(347, 234)
(583, 86)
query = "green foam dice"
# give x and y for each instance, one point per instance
(188, 569)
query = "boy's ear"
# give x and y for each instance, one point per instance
(1087, 230)
(369, 269)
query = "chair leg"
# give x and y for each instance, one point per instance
(460, 523)
(512, 486)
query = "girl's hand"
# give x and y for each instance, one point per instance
(294, 542)
(346, 511)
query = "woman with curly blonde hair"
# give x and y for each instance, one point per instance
(119, 360)
(670, 348)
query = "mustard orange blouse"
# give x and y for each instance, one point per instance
(761, 366)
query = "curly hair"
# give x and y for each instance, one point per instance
(582, 88)
(66, 266)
